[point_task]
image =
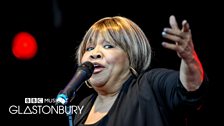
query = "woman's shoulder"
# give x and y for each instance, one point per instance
(158, 71)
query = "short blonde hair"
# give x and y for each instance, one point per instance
(124, 33)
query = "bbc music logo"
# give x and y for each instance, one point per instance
(39, 100)
(43, 106)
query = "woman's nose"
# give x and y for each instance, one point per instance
(96, 56)
(96, 53)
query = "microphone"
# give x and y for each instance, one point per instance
(83, 73)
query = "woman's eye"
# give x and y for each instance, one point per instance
(108, 46)
(89, 48)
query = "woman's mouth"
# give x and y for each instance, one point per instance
(98, 68)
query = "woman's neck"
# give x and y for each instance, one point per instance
(107, 97)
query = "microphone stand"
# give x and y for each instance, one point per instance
(69, 114)
(62, 99)
(83, 73)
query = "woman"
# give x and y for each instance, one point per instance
(127, 92)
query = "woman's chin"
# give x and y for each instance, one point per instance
(97, 82)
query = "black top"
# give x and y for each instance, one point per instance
(151, 99)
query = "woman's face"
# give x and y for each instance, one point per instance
(111, 63)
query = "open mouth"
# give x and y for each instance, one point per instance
(98, 68)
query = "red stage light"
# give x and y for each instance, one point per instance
(24, 46)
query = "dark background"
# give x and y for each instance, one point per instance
(59, 26)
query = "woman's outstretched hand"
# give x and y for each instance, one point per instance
(191, 71)
(182, 37)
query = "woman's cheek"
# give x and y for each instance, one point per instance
(84, 58)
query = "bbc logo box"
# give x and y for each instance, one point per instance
(34, 100)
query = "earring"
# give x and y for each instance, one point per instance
(133, 71)
(88, 84)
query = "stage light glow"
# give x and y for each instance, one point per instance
(24, 46)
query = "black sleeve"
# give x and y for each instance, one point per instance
(170, 91)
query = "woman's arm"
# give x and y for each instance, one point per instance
(191, 70)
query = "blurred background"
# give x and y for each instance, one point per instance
(38, 40)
